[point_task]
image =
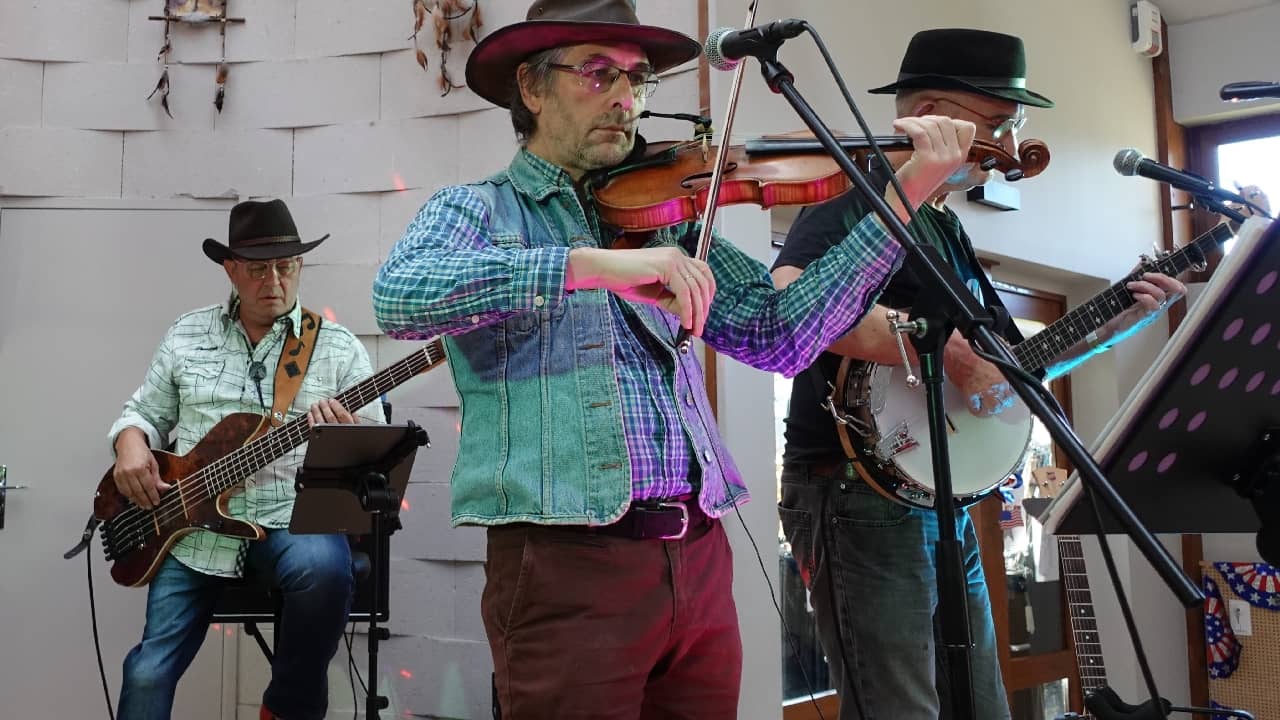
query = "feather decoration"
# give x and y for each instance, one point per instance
(442, 14)
(419, 15)
(441, 22)
(162, 87)
(472, 31)
(220, 80)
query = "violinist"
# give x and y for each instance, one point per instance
(588, 444)
(868, 561)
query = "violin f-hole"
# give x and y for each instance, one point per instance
(689, 180)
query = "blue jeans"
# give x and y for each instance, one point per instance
(869, 564)
(312, 573)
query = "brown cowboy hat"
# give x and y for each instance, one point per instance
(259, 231)
(491, 69)
(976, 61)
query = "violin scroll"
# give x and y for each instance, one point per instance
(1033, 158)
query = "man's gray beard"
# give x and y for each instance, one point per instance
(589, 163)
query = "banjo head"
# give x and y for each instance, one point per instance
(889, 432)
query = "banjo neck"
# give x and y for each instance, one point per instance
(1039, 351)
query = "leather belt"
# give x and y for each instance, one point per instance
(655, 520)
(837, 469)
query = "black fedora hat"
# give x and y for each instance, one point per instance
(491, 68)
(259, 231)
(976, 61)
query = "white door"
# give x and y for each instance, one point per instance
(85, 296)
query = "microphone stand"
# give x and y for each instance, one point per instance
(946, 304)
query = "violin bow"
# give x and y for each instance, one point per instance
(683, 340)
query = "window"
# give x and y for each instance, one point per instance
(1251, 162)
(1245, 151)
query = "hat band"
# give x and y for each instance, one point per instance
(1019, 83)
(269, 240)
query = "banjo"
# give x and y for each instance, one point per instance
(883, 423)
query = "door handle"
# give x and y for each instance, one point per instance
(5, 487)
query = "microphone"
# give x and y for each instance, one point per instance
(726, 46)
(1131, 162)
(1249, 90)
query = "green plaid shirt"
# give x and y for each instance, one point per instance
(464, 265)
(200, 374)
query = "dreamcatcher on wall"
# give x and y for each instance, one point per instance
(193, 12)
(444, 15)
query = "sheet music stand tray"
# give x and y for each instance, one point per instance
(1199, 437)
(352, 481)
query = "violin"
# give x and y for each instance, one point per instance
(670, 183)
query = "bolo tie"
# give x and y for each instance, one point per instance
(258, 371)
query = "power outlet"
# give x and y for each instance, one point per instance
(1241, 617)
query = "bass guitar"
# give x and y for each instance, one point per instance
(136, 539)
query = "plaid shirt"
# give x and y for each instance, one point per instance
(200, 374)
(451, 274)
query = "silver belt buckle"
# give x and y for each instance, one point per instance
(684, 520)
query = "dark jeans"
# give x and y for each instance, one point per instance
(314, 574)
(870, 567)
(586, 626)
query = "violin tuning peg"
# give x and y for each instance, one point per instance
(1013, 175)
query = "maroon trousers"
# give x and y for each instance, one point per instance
(586, 626)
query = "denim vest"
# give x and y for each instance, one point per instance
(542, 426)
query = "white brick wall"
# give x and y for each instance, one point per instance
(201, 164)
(409, 92)
(112, 96)
(376, 157)
(351, 220)
(64, 30)
(20, 93)
(301, 93)
(335, 27)
(39, 161)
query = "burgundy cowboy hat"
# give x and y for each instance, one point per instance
(259, 231)
(491, 69)
(976, 61)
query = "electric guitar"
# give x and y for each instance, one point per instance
(883, 423)
(1075, 580)
(136, 540)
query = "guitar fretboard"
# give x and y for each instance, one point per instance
(1084, 624)
(1038, 351)
(225, 472)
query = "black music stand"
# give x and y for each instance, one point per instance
(352, 481)
(1198, 440)
(1205, 419)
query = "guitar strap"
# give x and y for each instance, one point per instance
(292, 368)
